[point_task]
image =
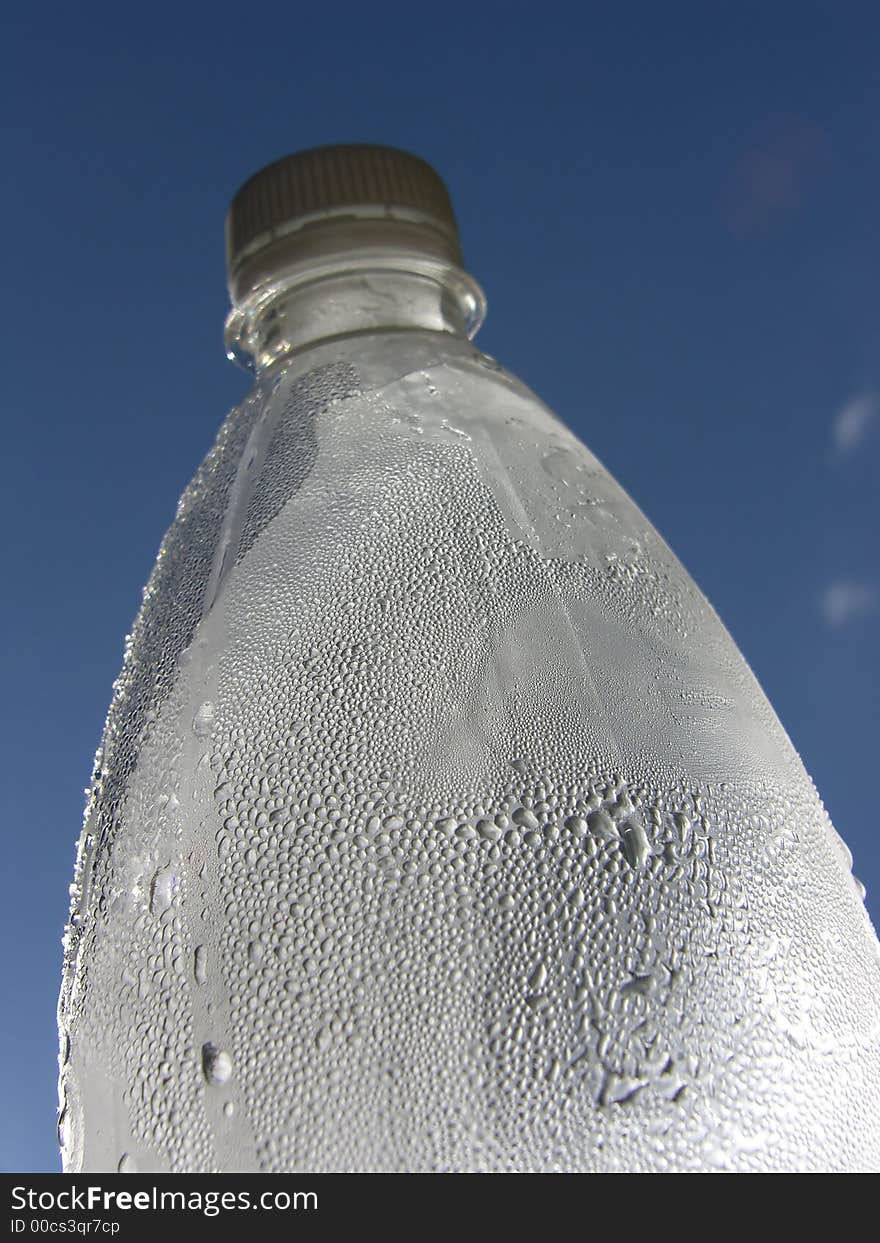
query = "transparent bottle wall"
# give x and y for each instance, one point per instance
(439, 824)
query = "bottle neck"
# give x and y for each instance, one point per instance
(336, 296)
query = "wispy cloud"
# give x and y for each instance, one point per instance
(845, 600)
(851, 424)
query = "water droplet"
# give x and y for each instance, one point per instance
(216, 1063)
(538, 978)
(450, 427)
(561, 465)
(203, 721)
(165, 885)
(602, 825)
(636, 846)
(487, 830)
(64, 1129)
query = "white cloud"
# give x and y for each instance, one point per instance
(844, 600)
(851, 424)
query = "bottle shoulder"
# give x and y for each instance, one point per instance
(376, 361)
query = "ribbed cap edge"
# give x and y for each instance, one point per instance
(328, 178)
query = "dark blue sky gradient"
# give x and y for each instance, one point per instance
(673, 211)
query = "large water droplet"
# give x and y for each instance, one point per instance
(216, 1063)
(203, 721)
(636, 846)
(538, 978)
(602, 824)
(165, 885)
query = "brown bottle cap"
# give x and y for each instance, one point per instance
(355, 194)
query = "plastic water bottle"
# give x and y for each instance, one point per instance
(438, 824)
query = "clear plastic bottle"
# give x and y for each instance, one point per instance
(438, 823)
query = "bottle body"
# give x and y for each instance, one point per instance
(439, 824)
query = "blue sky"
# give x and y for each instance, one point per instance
(672, 209)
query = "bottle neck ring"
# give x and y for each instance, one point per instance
(356, 290)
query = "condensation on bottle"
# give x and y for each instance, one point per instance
(438, 823)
